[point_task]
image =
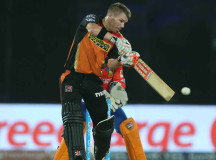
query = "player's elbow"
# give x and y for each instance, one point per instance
(93, 28)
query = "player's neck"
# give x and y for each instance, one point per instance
(104, 22)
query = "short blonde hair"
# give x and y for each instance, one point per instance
(118, 8)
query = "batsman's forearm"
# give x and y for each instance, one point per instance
(108, 36)
(93, 28)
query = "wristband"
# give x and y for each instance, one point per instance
(113, 39)
(102, 33)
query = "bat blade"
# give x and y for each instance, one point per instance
(154, 80)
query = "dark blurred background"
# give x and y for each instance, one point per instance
(176, 38)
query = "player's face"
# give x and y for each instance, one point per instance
(117, 22)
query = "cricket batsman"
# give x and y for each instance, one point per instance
(114, 85)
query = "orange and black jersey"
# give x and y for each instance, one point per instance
(87, 52)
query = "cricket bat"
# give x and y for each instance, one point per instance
(154, 80)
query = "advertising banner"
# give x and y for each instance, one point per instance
(173, 128)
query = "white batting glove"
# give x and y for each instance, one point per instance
(119, 93)
(123, 46)
(130, 60)
(113, 104)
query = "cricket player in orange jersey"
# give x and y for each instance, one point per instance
(95, 39)
(114, 84)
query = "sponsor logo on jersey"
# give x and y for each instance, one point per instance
(102, 44)
(106, 80)
(90, 18)
(77, 153)
(99, 94)
(68, 88)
